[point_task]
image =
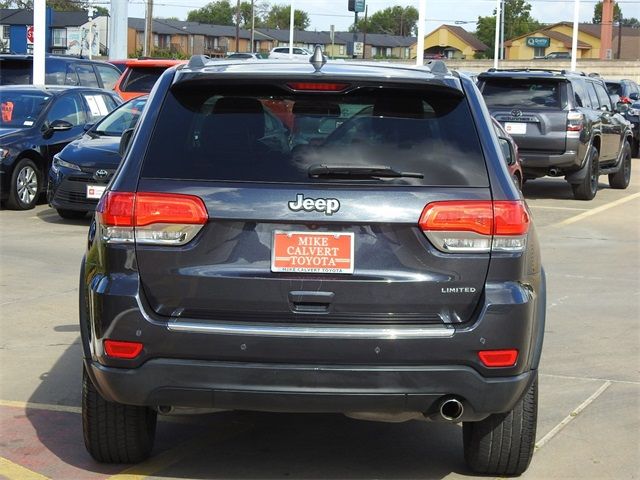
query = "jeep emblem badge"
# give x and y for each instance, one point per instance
(327, 205)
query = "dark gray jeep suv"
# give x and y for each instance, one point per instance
(293, 237)
(564, 124)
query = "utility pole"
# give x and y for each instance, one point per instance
(238, 26)
(422, 18)
(364, 38)
(496, 40)
(355, 34)
(619, 35)
(148, 30)
(90, 17)
(291, 25)
(253, 26)
(502, 31)
(574, 38)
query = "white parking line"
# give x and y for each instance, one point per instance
(555, 430)
(595, 211)
(592, 379)
(547, 207)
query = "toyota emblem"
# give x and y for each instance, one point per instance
(101, 174)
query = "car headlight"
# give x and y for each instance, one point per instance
(58, 162)
(4, 153)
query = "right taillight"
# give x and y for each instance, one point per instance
(150, 218)
(476, 226)
(575, 121)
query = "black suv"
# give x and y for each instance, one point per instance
(59, 70)
(565, 125)
(369, 256)
(628, 91)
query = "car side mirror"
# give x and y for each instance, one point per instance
(622, 107)
(634, 96)
(125, 140)
(507, 150)
(60, 126)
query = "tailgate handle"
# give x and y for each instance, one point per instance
(310, 301)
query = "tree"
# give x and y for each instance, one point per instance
(517, 21)
(278, 17)
(58, 5)
(597, 12)
(261, 10)
(392, 20)
(219, 12)
(617, 15)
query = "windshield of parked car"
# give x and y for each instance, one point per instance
(509, 93)
(21, 109)
(142, 79)
(267, 134)
(121, 119)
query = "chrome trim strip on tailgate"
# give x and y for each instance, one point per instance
(315, 332)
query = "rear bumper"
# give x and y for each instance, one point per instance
(307, 388)
(536, 162)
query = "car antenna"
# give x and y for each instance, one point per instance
(317, 59)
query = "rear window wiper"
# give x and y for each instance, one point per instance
(350, 171)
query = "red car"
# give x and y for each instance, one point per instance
(513, 160)
(140, 76)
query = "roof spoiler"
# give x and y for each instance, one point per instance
(198, 61)
(437, 66)
(550, 70)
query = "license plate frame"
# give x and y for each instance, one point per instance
(95, 192)
(312, 252)
(516, 128)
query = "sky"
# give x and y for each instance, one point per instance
(324, 13)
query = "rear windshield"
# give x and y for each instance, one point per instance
(21, 109)
(15, 72)
(509, 93)
(226, 135)
(614, 89)
(142, 79)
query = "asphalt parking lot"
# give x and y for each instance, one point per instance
(589, 418)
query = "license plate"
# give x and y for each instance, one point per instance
(95, 191)
(515, 128)
(306, 252)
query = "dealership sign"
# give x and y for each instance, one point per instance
(543, 42)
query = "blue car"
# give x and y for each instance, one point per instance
(80, 173)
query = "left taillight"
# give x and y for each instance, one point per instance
(476, 226)
(150, 218)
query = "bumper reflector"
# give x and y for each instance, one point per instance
(122, 349)
(498, 358)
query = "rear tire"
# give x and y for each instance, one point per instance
(588, 187)
(622, 177)
(71, 214)
(113, 432)
(503, 443)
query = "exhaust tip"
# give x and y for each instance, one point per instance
(165, 409)
(451, 409)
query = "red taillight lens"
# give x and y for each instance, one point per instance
(476, 225)
(116, 209)
(317, 86)
(575, 121)
(122, 349)
(510, 218)
(498, 358)
(169, 208)
(624, 99)
(458, 216)
(150, 218)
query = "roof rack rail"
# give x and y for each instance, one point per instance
(198, 61)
